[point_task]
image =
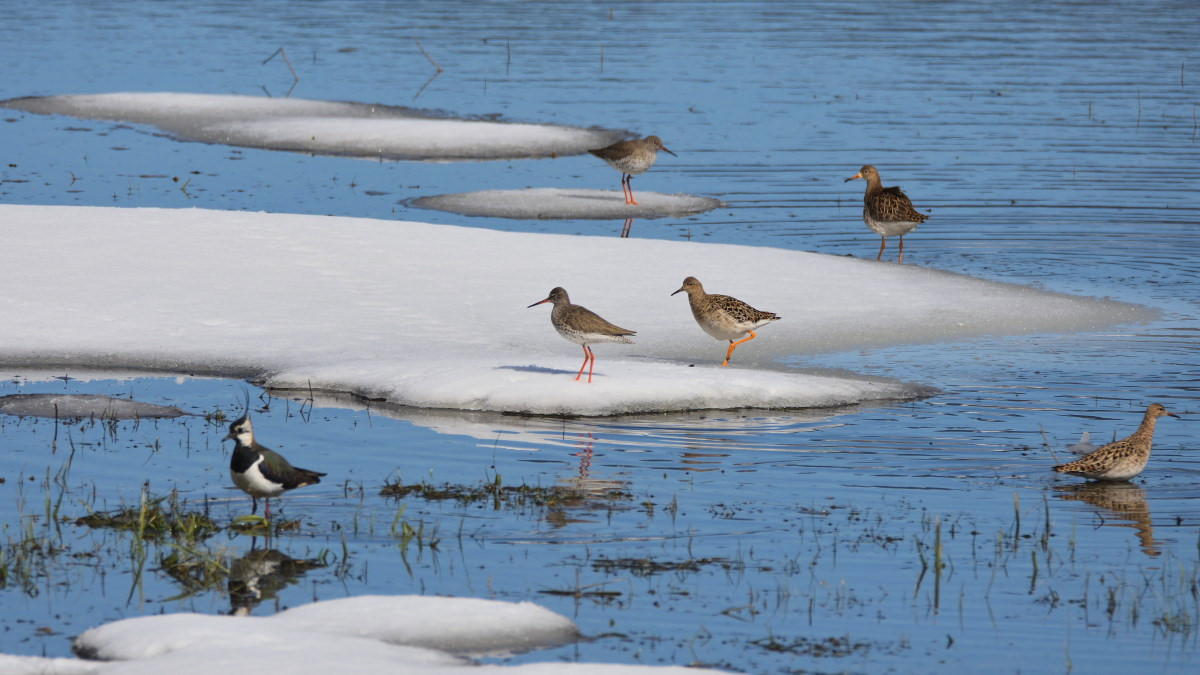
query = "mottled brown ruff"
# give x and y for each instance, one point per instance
(723, 317)
(631, 157)
(582, 326)
(887, 211)
(1119, 460)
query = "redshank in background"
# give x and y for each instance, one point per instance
(1119, 460)
(887, 211)
(583, 327)
(631, 157)
(723, 317)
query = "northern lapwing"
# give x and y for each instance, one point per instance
(262, 472)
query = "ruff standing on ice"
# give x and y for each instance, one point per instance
(259, 471)
(582, 326)
(723, 317)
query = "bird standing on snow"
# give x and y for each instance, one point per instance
(887, 211)
(1119, 460)
(723, 317)
(259, 471)
(631, 157)
(582, 326)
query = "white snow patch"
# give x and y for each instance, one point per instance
(435, 315)
(323, 127)
(38, 665)
(367, 634)
(563, 204)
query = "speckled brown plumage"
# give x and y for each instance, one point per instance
(887, 211)
(1119, 460)
(631, 157)
(582, 326)
(723, 317)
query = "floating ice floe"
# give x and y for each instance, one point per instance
(366, 634)
(566, 204)
(83, 405)
(323, 127)
(436, 316)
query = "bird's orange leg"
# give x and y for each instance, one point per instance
(901, 258)
(591, 363)
(732, 344)
(882, 242)
(585, 362)
(629, 182)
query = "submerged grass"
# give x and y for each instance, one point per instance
(501, 496)
(156, 519)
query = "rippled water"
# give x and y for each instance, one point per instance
(1053, 144)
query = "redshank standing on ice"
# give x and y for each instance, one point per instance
(582, 326)
(631, 157)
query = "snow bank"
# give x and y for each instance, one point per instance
(323, 127)
(564, 204)
(437, 625)
(367, 634)
(436, 316)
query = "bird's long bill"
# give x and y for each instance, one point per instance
(670, 153)
(680, 289)
(857, 175)
(538, 303)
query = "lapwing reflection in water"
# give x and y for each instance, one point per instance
(260, 575)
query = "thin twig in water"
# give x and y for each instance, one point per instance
(295, 77)
(437, 71)
(1047, 442)
(435, 63)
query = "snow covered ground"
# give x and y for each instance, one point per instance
(436, 316)
(365, 634)
(551, 203)
(323, 127)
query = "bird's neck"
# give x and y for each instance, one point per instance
(1146, 428)
(873, 185)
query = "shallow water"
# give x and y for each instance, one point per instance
(1053, 145)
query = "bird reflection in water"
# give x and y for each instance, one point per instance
(587, 492)
(627, 227)
(1125, 501)
(260, 574)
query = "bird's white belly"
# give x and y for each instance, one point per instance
(254, 483)
(888, 228)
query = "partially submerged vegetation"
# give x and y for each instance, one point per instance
(496, 494)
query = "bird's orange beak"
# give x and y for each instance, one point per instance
(857, 175)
